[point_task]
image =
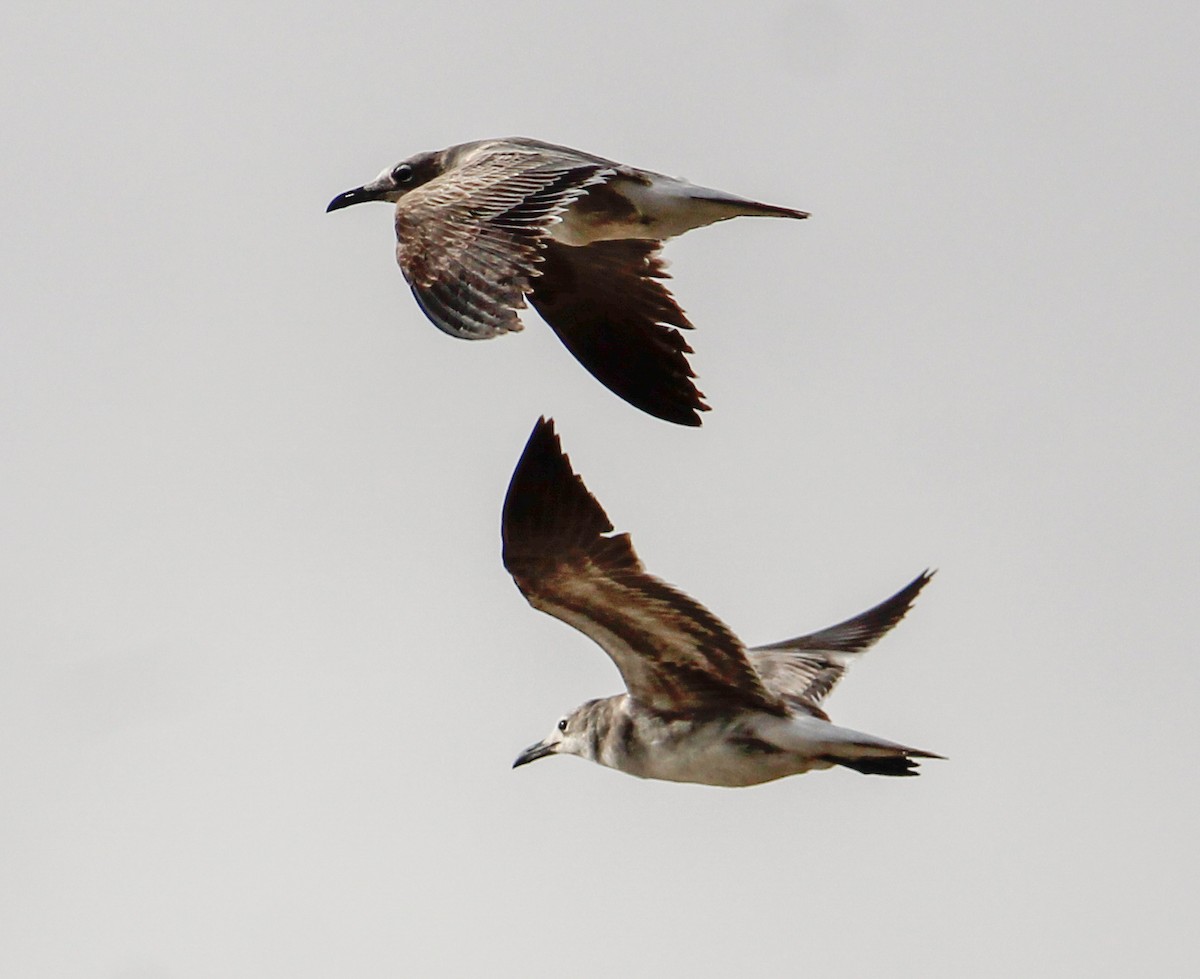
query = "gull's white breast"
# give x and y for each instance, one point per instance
(721, 751)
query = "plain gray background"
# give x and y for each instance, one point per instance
(263, 673)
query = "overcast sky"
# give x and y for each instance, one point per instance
(262, 674)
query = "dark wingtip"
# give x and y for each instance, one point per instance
(865, 629)
(913, 588)
(681, 404)
(606, 304)
(543, 442)
(547, 506)
(687, 415)
(887, 614)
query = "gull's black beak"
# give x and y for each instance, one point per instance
(533, 753)
(355, 196)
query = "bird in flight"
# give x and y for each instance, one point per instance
(699, 706)
(482, 226)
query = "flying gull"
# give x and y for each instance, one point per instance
(483, 225)
(699, 706)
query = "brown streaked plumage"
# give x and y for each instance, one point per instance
(673, 654)
(481, 226)
(700, 707)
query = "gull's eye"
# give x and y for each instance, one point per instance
(403, 174)
(562, 725)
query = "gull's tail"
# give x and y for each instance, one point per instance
(821, 741)
(895, 764)
(740, 207)
(722, 206)
(667, 207)
(873, 756)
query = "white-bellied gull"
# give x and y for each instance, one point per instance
(481, 226)
(699, 706)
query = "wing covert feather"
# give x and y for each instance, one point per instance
(468, 244)
(673, 654)
(803, 670)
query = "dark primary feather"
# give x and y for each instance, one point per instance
(673, 654)
(607, 303)
(547, 508)
(863, 630)
(803, 670)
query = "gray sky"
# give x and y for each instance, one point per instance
(263, 674)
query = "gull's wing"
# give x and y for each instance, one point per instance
(469, 241)
(607, 303)
(673, 654)
(803, 670)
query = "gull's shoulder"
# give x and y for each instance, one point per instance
(524, 152)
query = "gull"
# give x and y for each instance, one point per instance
(699, 706)
(482, 226)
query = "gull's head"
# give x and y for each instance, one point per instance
(576, 734)
(394, 182)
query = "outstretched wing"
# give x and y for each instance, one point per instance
(468, 241)
(673, 654)
(803, 670)
(607, 303)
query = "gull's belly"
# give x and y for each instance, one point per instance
(713, 754)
